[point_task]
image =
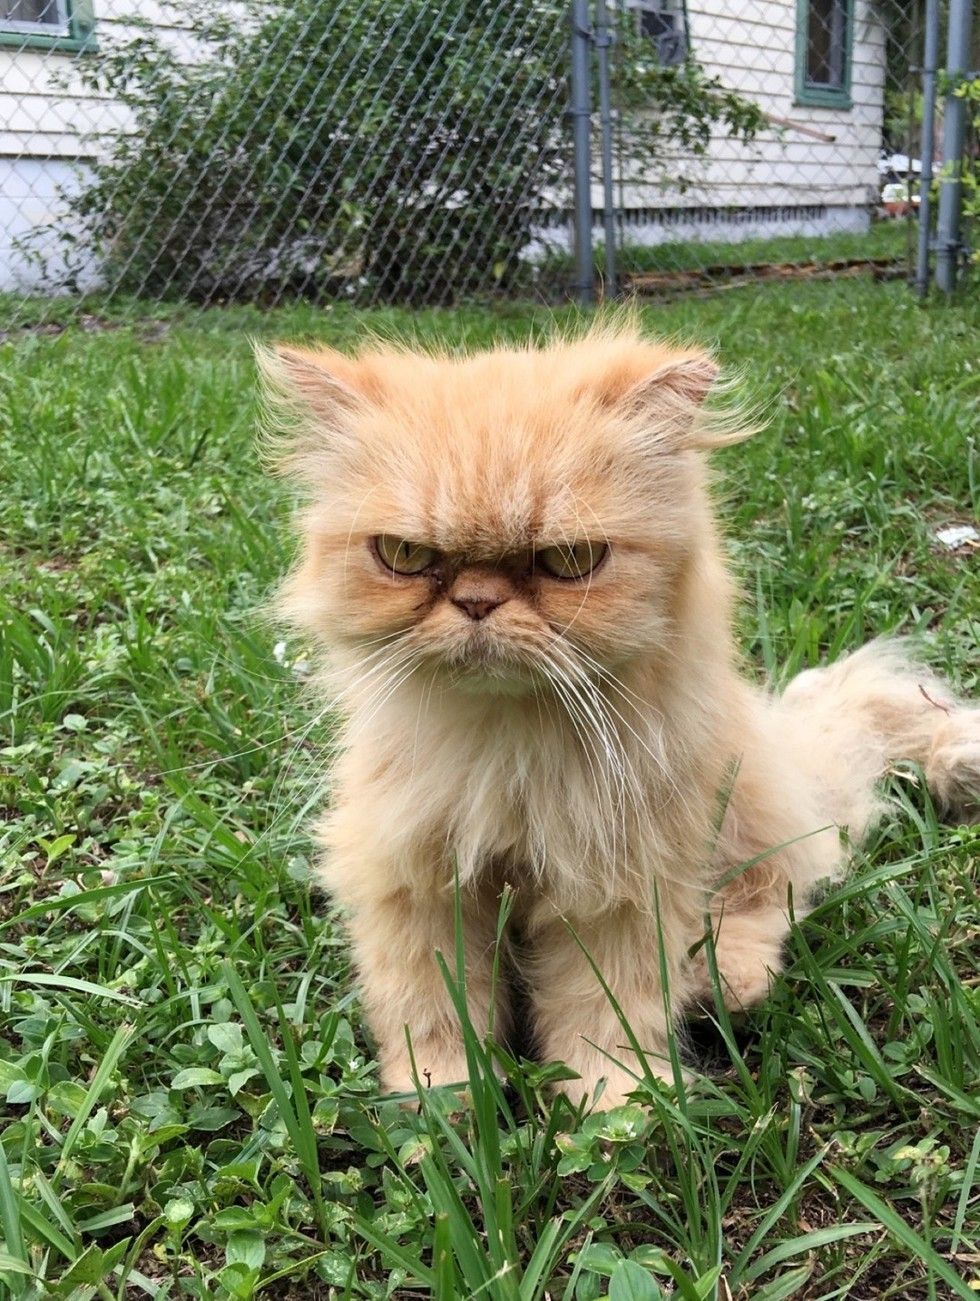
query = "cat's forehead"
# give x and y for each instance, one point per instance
(493, 451)
(489, 494)
(470, 468)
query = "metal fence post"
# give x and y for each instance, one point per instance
(603, 42)
(580, 111)
(930, 59)
(954, 129)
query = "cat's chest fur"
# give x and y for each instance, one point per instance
(571, 806)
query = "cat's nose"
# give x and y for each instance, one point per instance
(475, 607)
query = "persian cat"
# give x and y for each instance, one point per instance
(512, 563)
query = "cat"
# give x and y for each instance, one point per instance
(512, 562)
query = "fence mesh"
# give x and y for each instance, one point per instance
(827, 180)
(382, 151)
(418, 151)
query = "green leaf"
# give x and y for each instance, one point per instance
(233, 1218)
(57, 847)
(44, 979)
(194, 1076)
(631, 1282)
(245, 1249)
(599, 1258)
(227, 1038)
(239, 1280)
(68, 902)
(88, 1268)
(383, 1242)
(23, 1091)
(10, 1220)
(785, 1286)
(800, 1246)
(239, 1079)
(208, 1119)
(11, 1265)
(178, 1212)
(100, 1081)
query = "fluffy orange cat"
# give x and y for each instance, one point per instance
(512, 562)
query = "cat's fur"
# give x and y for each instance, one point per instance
(590, 743)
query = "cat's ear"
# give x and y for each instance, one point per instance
(669, 401)
(687, 381)
(669, 405)
(311, 401)
(662, 392)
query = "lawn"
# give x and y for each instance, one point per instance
(883, 240)
(188, 1103)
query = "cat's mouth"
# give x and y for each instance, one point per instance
(485, 663)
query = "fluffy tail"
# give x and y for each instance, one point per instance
(854, 719)
(825, 745)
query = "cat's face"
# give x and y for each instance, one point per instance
(507, 518)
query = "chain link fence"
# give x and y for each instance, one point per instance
(396, 151)
(420, 151)
(826, 182)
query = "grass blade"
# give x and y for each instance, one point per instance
(117, 1046)
(805, 1242)
(10, 1213)
(914, 1243)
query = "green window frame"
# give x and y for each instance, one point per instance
(73, 33)
(824, 50)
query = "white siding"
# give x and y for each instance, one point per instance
(750, 46)
(30, 203)
(752, 49)
(50, 124)
(45, 112)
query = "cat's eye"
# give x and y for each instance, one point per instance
(404, 557)
(576, 560)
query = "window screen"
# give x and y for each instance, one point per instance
(42, 13)
(826, 43)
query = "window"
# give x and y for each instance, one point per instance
(664, 22)
(34, 15)
(58, 24)
(823, 52)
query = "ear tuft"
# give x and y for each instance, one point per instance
(309, 402)
(689, 379)
(668, 404)
(659, 387)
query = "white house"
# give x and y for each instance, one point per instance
(817, 70)
(50, 124)
(816, 67)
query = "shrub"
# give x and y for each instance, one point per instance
(382, 148)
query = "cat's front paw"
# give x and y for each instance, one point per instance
(748, 956)
(746, 978)
(434, 1068)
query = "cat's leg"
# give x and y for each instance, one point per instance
(775, 843)
(574, 1019)
(952, 765)
(396, 934)
(748, 952)
(400, 903)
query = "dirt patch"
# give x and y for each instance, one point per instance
(149, 331)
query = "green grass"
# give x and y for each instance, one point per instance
(188, 1103)
(888, 239)
(883, 239)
